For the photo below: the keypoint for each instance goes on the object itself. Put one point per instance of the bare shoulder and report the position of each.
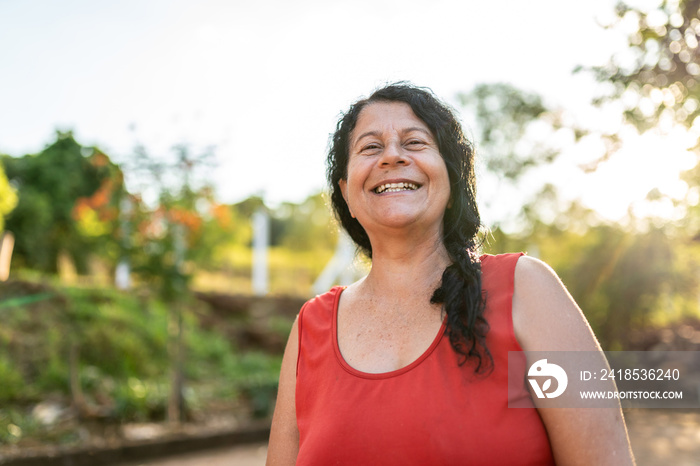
(533, 273)
(545, 316)
(284, 434)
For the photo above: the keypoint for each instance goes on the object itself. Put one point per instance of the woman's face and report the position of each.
(397, 178)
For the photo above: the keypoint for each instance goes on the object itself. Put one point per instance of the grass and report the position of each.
(118, 344)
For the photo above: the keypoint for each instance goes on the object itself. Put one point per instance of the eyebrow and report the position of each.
(403, 131)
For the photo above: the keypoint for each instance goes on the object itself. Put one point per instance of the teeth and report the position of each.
(395, 187)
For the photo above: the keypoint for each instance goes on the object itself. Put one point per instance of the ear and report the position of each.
(343, 184)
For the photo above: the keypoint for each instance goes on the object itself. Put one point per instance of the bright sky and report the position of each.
(264, 81)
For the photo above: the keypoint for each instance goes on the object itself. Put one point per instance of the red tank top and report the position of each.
(431, 412)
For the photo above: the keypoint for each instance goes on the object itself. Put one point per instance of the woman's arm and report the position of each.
(284, 435)
(546, 318)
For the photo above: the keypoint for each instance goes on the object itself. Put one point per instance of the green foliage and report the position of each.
(302, 239)
(659, 73)
(224, 227)
(623, 280)
(67, 204)
(623, 277)
(15, 424)
(691, 222)
(518, 138)
(308, 226)
(112, 332)
(73, 203)
(141, 400)
(506, 117)
(168, 234)
(121, 342)
(255, 376)
(12, 380)
(657, 79)
(48, 370)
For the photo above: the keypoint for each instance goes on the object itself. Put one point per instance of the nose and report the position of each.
(392, 154)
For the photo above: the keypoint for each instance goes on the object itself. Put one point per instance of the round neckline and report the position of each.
(378, 375)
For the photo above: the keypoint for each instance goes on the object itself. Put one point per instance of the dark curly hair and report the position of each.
(460, 290)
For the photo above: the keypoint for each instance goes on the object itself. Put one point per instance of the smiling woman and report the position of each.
(410, 364)
(396, 178)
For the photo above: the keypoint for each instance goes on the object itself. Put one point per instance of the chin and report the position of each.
(406, 220)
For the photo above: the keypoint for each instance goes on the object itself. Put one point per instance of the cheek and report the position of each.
(447, 191)
(343, 184)
(355, 177)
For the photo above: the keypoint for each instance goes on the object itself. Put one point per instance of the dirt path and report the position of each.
(664, 437)
(245, 455)
(658, 437)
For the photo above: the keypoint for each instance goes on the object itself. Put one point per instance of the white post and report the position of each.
(261, 234)
(346, 252)
(122, 275)
(340, 267)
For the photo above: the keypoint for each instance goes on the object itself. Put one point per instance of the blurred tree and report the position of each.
(658, 76)
(626, 280)
(167, 238)
(517, 135)
(623, 277)
(506, 118)
(68, 203)
(222, 225)
(8, 197)
(656, 82)
(248, 206)
(307, 226)
(168, 230)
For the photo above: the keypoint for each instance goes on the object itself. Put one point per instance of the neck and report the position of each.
(403, 266)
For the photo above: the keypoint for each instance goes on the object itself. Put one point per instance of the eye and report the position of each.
(370, 148)
(415, 144)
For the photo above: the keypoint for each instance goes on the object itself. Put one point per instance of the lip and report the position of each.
(395, 180)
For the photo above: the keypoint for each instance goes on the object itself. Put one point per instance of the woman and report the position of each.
(409, 364)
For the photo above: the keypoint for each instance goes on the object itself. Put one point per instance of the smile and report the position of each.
(395, 187)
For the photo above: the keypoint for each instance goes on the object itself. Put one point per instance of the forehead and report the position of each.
(383, 116)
